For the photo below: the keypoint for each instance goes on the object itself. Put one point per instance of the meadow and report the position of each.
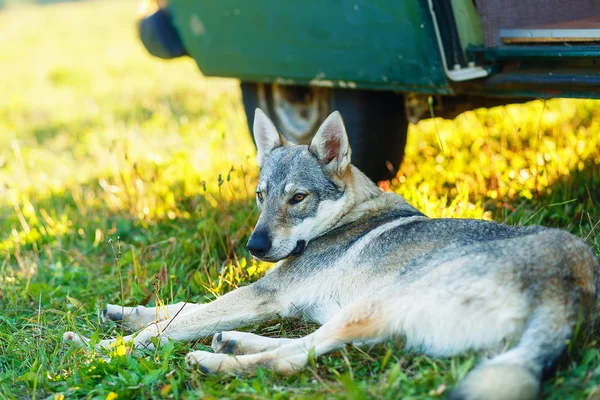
(101, 143)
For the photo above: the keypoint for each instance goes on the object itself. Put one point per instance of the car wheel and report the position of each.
(375, 120)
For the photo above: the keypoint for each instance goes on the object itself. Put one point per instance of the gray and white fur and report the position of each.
(368, 266)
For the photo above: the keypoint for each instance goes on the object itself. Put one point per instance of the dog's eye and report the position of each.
(260, 196)
(298, 197)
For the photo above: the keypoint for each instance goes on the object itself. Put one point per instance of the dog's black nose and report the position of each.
(259, 244)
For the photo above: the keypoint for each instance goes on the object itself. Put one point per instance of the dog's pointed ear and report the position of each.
(265, 135)
(330, 144)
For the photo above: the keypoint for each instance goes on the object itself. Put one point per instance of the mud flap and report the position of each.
(159, 36)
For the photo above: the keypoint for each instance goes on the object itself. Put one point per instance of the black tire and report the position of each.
(375, 121)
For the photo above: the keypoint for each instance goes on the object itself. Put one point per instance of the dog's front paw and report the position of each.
(225, 343)
(209, 363)
(131, 319)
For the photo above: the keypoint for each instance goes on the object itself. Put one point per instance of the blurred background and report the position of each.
(100, 140)
(80, 96)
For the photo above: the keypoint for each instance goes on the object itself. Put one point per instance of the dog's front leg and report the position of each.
(240, 307)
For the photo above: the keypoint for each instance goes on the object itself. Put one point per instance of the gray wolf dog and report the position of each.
(367, 266)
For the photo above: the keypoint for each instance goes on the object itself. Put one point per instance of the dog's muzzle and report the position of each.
(300, 246)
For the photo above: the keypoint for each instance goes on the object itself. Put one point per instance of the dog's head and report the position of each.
(301, 191)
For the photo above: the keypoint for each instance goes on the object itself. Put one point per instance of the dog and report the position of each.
(368, 266)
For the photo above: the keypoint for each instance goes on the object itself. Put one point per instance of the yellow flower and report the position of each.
(59, 396)
(112, 396)
(121, 350)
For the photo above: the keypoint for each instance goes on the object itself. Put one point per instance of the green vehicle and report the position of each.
(383, 63)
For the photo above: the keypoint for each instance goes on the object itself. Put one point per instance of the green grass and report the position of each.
(98, 140)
